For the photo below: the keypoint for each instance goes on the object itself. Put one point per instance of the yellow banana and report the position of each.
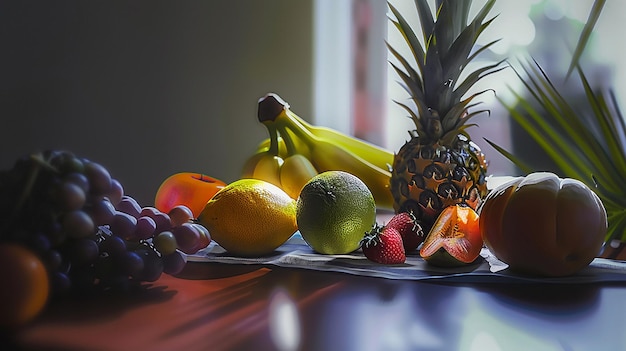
(271, 104)
(281, 160)
(295, 172)
(268, 168)
(310, 150)
(374, 154)
(297, 169)
(327, 155)
(247, 171)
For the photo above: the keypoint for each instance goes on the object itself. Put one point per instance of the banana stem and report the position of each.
(291, 147)
(270, 107)
(271, 128)
(286, 121)
(274, 110)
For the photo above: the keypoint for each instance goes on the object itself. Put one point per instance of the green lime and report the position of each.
(334, 211)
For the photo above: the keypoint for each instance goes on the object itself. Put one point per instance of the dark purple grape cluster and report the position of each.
(87, 231)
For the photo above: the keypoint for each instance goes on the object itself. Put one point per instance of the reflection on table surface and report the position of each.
(233, 307)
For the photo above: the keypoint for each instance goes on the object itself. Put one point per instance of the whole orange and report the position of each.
(25, 285)
(193, 190)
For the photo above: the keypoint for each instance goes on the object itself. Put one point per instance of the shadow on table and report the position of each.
(106, 304)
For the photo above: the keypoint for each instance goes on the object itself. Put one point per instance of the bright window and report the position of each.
(355, 89)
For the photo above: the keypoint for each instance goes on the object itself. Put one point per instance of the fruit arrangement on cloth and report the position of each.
(67, 226)
(440, 166)
(310, 150)
(76, 221)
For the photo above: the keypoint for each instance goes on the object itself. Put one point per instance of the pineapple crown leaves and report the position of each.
(435, 85)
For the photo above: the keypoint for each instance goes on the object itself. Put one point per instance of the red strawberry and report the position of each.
(410, 231)
(383, 245)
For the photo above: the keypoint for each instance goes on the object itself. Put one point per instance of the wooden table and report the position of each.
(232, 307)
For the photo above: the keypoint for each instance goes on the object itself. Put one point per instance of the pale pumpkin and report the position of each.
(541, 224)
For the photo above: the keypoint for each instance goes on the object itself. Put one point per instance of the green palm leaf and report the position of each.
(585, 147)
(594, 14)
(591, 148)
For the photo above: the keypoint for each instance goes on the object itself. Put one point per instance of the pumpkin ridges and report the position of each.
(540, 225)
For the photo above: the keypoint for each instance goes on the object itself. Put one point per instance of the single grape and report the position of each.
(163, 221)
(99, 178)
(174, 263)
(187, 237)
(205, 236)
(117, 192)
(129, 205)
(113, 245)
(123, 225)
(101, 211)
(130, 264)
(52, 259)
(70, 196)
(78, 224)
(149, 211)
(153, 264)
(145, 228)
(165, 242)
(79, 179)
(180, 214)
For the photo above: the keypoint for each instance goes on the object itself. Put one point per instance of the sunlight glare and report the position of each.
(284, 322)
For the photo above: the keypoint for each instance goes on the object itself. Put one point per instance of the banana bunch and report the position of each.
(296, 151)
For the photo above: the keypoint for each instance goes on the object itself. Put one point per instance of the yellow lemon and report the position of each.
(334, 211)
(250, 217)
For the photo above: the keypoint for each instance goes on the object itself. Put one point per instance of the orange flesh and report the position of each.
(457, 232)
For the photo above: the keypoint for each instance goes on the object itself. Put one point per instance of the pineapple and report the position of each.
(440, 166)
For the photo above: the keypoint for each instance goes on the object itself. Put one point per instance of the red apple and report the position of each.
(186, 188)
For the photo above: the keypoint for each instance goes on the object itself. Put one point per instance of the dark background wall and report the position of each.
(149, 88)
